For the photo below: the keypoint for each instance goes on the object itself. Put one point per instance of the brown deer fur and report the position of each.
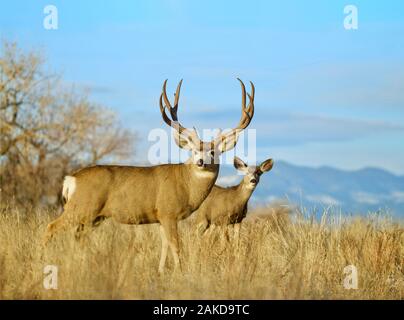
(226, 206)
(161, 194)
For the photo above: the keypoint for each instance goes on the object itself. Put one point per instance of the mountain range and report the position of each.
(349, 192)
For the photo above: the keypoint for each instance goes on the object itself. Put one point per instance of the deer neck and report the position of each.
(200, 182)
(244, 191)
(202, 177)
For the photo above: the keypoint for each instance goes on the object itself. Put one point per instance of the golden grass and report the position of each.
(272, 259)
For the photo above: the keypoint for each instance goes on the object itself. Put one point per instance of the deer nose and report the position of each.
(254, 181)
(199, 163)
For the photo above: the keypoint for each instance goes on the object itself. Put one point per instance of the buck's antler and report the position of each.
(247, 113)
(173, 122)
(173, 110)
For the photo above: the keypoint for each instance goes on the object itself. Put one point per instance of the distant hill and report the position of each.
(354, 192)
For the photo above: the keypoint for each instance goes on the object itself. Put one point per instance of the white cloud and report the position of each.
(365, 197)
(323, 198)
(397, 196)
(271, 198)
(369, 85)
(228, 180)
(372, 199)
(282, 128)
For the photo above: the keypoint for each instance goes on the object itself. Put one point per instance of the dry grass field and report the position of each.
(274, 258)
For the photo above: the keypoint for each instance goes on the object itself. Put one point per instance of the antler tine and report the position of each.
(242, 93)
(247, 113)
(166, 119)
(177, 97)
(164, 94)
(251, 97)
(173, 111)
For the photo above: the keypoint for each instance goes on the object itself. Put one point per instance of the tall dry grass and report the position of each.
(274, 258)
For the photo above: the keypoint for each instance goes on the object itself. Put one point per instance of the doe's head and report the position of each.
(252, 174)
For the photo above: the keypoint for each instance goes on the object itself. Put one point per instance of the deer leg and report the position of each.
(202, 227)
(60, 224)
(227, 231)
(71, 218)
(85, 227)
(98, 220)
(237, 227)
(171, 232)
(82, 231)
(164, 248)
(209, 230)
(237, 233)
(79, 231)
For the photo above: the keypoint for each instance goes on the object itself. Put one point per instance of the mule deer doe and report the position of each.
(161, 194)
(228, 206)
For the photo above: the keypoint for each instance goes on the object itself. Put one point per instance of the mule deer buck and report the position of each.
(161, 194)
(228, 206)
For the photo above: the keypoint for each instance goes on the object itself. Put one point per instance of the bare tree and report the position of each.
(46, 130)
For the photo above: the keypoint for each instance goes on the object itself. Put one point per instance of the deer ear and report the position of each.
(240, 164)
(266, 165)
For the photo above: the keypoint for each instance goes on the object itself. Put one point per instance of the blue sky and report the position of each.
(324, 95)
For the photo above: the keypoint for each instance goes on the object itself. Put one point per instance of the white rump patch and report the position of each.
(69, 186)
